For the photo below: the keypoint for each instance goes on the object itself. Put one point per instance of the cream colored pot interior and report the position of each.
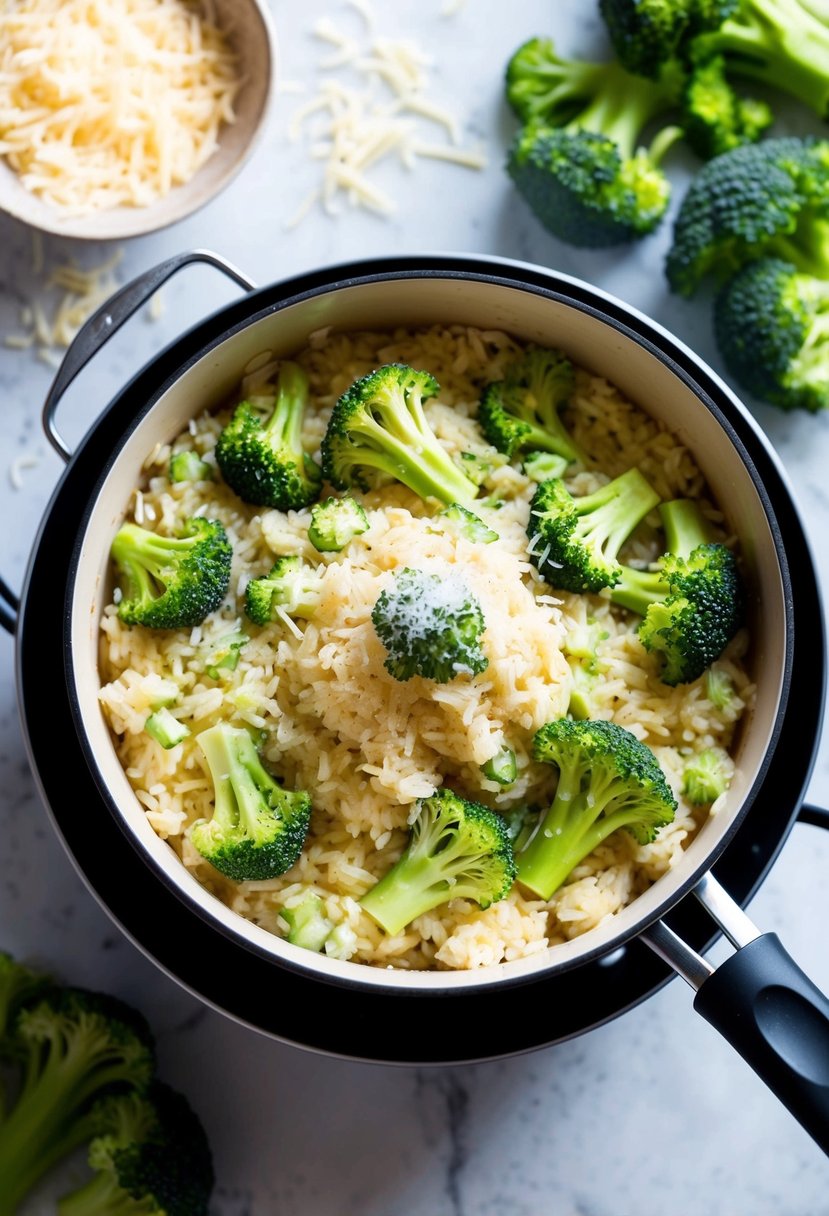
(590, 342)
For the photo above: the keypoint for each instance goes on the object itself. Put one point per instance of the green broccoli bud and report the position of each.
(308, 926)
(431, 626)
(543, 466)
(523, 410)
(335, 523)
(223, 654)
(457, 850)
(716, 118)
(468, 524)
(707, 775)
(291, 588)
(719, 688)
(189, 466)
(165, 729)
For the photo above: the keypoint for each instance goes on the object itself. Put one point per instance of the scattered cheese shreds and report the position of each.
(107, 103)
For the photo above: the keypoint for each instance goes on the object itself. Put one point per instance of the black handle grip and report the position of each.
(9, 606)
(775, 1017)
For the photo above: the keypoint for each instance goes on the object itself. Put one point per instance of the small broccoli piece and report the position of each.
(692, 604)
(521, 823)
(151, 1158)
(189, 466)
(772, 328)
(223, 653)
(715, 117)
(719, 688)
(574, 542)
(522, 410)
(468, 524)
(19, 985)
(258, 828)
(292, 588)
(431, 626)
(335, 523)
(607, 780)
(457, 850)
(585, 667)
(260, 455)
(308, 926)
(171, 582)
(165, 729)
(475, 468)
(646, 33)
(378, 427)
(579, 162)
(73, 1047)
(706, 776)
(764, 200)
(502, 767)
(542, 466)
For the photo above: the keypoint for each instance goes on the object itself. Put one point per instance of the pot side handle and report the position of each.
(109, 318)
(9, 605)
(762, 1004)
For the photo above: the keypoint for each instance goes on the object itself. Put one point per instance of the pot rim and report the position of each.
(187, 350)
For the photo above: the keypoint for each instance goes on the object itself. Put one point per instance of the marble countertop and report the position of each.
(651, 1115)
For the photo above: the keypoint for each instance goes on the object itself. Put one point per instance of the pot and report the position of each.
(758, 999)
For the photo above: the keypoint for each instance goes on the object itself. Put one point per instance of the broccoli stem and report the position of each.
(623, 105)
(413, 886)
(284, 427)
(685, 529)
(101, 1196)
(809, 366)
(404, 452)
(238, 777)
(807, 248)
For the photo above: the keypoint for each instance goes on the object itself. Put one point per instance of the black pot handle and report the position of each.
(9, 605)
(109, 318)
(761, 1003)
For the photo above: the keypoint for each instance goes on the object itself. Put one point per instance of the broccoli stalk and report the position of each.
(378, 427)
(308, 926)
(772, 328)
(579, 162)
(150, 1156)
(607, 780)
(692, 604)
(74, 1047)
(457, 850)
(335, 523)
(468, 525)
(290, 589)
(431, 626)
(172, 582)
(574, 542)
(261, 457)
(258, 829)
(165, 729)
(502, 767)
(521, 411)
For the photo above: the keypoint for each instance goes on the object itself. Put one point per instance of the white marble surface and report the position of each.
(649, 1116)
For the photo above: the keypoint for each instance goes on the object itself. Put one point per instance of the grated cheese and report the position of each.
(107, 103)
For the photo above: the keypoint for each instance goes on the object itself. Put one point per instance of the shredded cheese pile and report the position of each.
(350, 129)
(106, 103)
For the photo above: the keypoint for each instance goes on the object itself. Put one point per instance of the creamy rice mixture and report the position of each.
(332, 721)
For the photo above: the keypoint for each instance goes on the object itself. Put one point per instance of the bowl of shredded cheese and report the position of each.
(119, 117)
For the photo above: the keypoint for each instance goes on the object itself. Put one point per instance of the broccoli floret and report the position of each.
(73, 1048)
(772, 328)
(457, 850)
(151, 1158)
(165, 729)
(692, 605)
(260, 455)
(778, 42)
(335, 523)
(502, 767)
(172, 582)
(308, 926)
(469, 525)
(19, 985)
(646, 33)
(579, 162)
(292, 588)
(706, 776)
(715, 117)
(607, 780)
(431, 626)
(574, 542)
(522, 411)
(768, 199)
(258, 828)
(541, 466)
(719, 688)
(189, 466)
(378, 427)
(585, 667)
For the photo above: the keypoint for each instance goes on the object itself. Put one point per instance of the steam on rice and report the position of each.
(366, 746)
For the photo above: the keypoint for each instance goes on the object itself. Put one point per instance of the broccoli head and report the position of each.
(260, 454)
(574, 542)
(292, 589)
(707, 775)
(378, 427)
(172, 582)
(431, 626)
(457, 850)
(692, 605)
(258, 828)
(74, 1047)
(151, 1158)
(19, 985)
(772, 327)
(715, 117)
(521, 412)
(607, 779)
(768, 199)
(579, 161)
(187, 465)
(335, 523)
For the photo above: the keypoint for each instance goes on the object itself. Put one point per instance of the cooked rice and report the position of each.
(367, 747)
